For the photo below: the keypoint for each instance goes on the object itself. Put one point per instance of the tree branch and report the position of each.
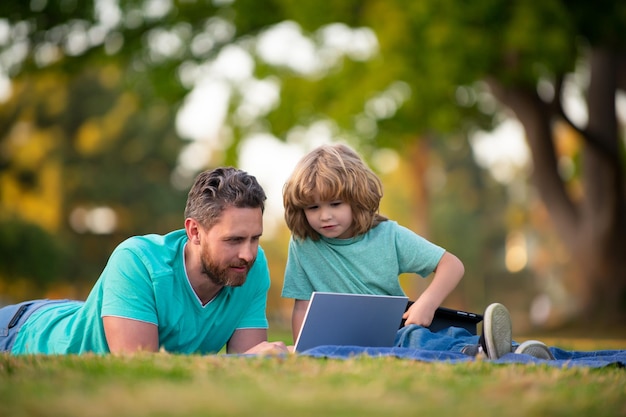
(621, 71)
(535, 115)
(556, 109)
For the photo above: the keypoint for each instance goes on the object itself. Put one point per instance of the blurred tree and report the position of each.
(455, 57)
(431, 69)
(20, 243)
(89, 149)
(457, 205)
(87, 164)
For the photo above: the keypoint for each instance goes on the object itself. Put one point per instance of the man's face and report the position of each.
(229, 248)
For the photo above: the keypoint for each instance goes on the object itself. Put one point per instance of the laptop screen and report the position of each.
(351, 320)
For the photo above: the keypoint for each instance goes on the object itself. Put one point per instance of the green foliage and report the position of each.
(29, 251)
(433, 46)
(102, 94)
(116, 150)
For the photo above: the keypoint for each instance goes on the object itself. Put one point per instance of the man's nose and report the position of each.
(248, 251)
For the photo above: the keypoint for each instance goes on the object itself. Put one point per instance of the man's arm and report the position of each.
(254, 341)
(128, 336)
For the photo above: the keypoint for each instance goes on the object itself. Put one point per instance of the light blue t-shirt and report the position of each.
(145, 280)
(366, 264)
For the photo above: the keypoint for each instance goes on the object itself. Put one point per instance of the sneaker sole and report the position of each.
(535, 349)
(497, 331)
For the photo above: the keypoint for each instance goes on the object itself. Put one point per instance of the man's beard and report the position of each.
(224, 276)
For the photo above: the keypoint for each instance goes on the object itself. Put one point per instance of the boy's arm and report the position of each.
(297, 317)
(448, 274)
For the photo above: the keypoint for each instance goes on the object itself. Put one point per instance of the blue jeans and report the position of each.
(13, 317)
(451, 339)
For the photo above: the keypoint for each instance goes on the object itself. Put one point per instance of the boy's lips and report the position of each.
(329, 231)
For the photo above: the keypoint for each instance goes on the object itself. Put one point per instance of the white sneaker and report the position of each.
(536, 349)
(497, 336)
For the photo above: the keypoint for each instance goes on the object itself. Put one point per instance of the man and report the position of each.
(193, 290)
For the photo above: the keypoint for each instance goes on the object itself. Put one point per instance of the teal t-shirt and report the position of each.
(366, 264)
(145, 280)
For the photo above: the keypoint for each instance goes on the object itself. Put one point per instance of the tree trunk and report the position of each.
(603, 206)
(592, 227)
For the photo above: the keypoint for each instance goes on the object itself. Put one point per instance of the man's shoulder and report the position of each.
(153, 244)
(152, 249)
(154, 240)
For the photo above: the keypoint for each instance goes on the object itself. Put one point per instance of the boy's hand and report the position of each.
(419, 314)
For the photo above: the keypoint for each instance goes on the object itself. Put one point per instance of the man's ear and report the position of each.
(192, 227)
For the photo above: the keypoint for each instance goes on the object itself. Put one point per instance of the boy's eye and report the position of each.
(311, 207)
(336, 203)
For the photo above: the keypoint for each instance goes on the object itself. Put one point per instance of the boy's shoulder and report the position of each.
(388, 226)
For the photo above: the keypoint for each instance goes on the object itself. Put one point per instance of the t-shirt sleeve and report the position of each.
(127, 289)
(415, 253)
(296, 283)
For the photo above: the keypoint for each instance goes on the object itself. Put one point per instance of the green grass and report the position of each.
(174, 385)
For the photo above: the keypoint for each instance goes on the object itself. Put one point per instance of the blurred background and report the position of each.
(497, 127)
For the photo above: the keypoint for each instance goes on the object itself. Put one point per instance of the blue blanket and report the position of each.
(564, 358)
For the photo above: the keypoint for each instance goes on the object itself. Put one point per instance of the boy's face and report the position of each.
(331, 219)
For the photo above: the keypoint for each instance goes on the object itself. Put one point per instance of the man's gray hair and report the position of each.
(215, 190)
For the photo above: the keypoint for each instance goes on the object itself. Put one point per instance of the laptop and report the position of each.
(350, 320)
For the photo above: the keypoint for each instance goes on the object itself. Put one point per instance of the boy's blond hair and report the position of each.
(332, 172)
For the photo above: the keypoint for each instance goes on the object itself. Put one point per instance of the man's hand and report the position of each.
(254, 341)
(269, 349)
